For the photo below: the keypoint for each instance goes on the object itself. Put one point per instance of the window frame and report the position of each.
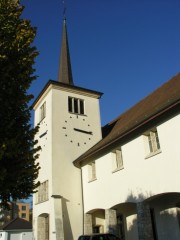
(76, 105)
(42, 194)
(23, 215)
(23, 208)
(152, 142)
(117, 160)
(42, 111)
(92, 171)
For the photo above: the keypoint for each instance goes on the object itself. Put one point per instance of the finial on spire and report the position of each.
(64, 10)
(65, 72)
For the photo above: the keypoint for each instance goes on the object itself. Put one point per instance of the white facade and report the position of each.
(126, 182)
(142, 173)
(152, 179)
(131, 189)
(63, 136)
(16, 235)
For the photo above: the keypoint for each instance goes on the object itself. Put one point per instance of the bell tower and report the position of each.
(69, 124)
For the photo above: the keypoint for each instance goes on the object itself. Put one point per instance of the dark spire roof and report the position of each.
(65, 72)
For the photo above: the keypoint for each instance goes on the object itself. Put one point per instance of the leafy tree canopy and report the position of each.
(18, 149)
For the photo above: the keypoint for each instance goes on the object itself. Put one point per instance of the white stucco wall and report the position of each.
(61, 145)
(45, 156)
(16, 235)
(67, 146)
(141, 178)
(3, 235)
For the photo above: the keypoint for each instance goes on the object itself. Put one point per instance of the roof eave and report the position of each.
(68, 86)
(111, 144)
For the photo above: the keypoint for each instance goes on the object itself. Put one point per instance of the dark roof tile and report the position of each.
(158, 101)
(18, 223)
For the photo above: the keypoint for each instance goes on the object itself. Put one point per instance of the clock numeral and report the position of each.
(43, 134)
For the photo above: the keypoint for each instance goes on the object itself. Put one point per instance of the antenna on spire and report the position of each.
(64, 9)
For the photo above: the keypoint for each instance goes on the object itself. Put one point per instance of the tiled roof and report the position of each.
(159, 101)
(18, 223)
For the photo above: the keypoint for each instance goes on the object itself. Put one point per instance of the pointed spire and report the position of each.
(65, 72)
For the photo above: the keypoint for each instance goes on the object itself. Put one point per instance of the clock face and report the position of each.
(77, 130)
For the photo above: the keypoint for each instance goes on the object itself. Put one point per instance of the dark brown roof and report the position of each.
(165, 97)
(65, 72)
(18, 223)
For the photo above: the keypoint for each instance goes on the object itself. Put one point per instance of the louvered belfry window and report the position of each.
(76, 105)
(43, 111)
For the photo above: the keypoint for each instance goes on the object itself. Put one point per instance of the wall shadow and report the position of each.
(164, 213)
(66, 221)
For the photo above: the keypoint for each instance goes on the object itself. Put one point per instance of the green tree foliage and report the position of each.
(18, 149)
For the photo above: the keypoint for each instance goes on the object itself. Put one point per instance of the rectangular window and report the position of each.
(92, 171)
(81, 105)
(152, 143)
(43, 111)
(117, 159)
(23, 215)
(42, 194)
(76, 105)
(70, 104)
(23, 208)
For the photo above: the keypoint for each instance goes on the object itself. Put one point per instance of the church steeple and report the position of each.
(65, 71)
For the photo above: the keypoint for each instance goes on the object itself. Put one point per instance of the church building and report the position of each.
(122, 178)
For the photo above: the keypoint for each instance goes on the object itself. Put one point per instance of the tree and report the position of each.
(18, 149)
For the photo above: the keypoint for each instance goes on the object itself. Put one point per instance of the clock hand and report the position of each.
(82, 131)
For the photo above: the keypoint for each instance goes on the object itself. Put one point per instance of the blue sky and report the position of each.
(123, 48)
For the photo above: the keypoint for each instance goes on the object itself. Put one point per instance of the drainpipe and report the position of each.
(82, 200)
